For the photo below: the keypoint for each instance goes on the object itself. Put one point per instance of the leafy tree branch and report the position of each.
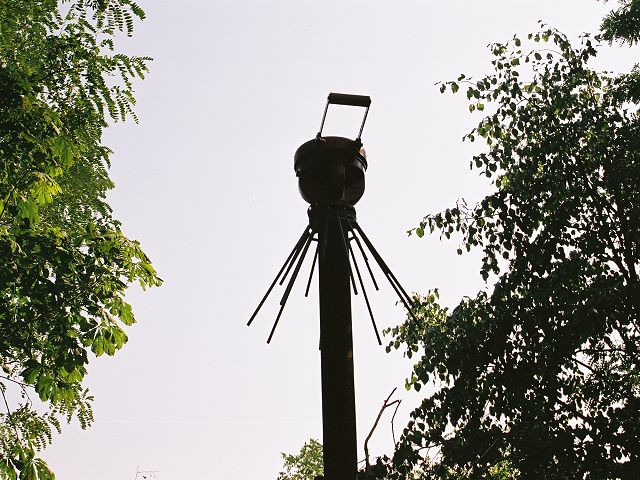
(66, 262)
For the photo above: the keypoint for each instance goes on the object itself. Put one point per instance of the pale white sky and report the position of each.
(206, 183)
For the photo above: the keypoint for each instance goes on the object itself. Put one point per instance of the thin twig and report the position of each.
(588, 367)
(393, 417)
(6, 403)
(15, 381)
(9, 412)
(385, 405)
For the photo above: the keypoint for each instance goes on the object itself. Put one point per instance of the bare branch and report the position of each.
(385, 405)
(393, 417)
(4, 397)
(14, 381)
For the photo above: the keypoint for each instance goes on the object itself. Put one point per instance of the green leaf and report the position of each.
(98, 346)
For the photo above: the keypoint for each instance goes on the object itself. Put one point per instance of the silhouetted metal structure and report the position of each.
(331, 178)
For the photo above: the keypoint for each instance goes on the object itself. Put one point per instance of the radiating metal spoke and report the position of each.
(273, 329)
(402, 294)
(286, 262)
(350, 231)
(385, 268)
(292, 280)
(299, 245)
(364, 255)
(346, 251)
(296, 271)
(364, 294)
(313, 266)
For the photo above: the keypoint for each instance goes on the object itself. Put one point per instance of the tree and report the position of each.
(306, 465)
(65, 261)
(622, 24)
(537, 375)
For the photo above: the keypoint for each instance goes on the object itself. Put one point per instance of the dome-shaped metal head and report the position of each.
(330, 171)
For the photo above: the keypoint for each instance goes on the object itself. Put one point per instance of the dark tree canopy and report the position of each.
(622, 24)
(537, 376)
(65, 263)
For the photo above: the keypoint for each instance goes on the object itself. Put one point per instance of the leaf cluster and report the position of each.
(305, 465)
(623, 23)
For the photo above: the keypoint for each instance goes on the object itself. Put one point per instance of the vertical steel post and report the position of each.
(331, 178)
(336, 345)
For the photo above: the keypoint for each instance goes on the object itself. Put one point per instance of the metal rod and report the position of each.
(402, 294)
(278, 276)
(313, 266)
(407, 305)
(287, 291)
(273, 329)
(324, 116)
(295, 272)
(364, 294)
(385, 268)
(366, 259)
(346, 251)
(298, 249)
(366, 112)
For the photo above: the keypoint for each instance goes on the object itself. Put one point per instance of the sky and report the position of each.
(205, 182)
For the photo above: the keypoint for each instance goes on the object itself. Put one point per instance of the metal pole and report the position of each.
(336, 346)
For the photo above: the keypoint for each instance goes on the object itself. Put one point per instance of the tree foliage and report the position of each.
(306, 465)
(622, 23)
(65, 261)
(537, 375)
